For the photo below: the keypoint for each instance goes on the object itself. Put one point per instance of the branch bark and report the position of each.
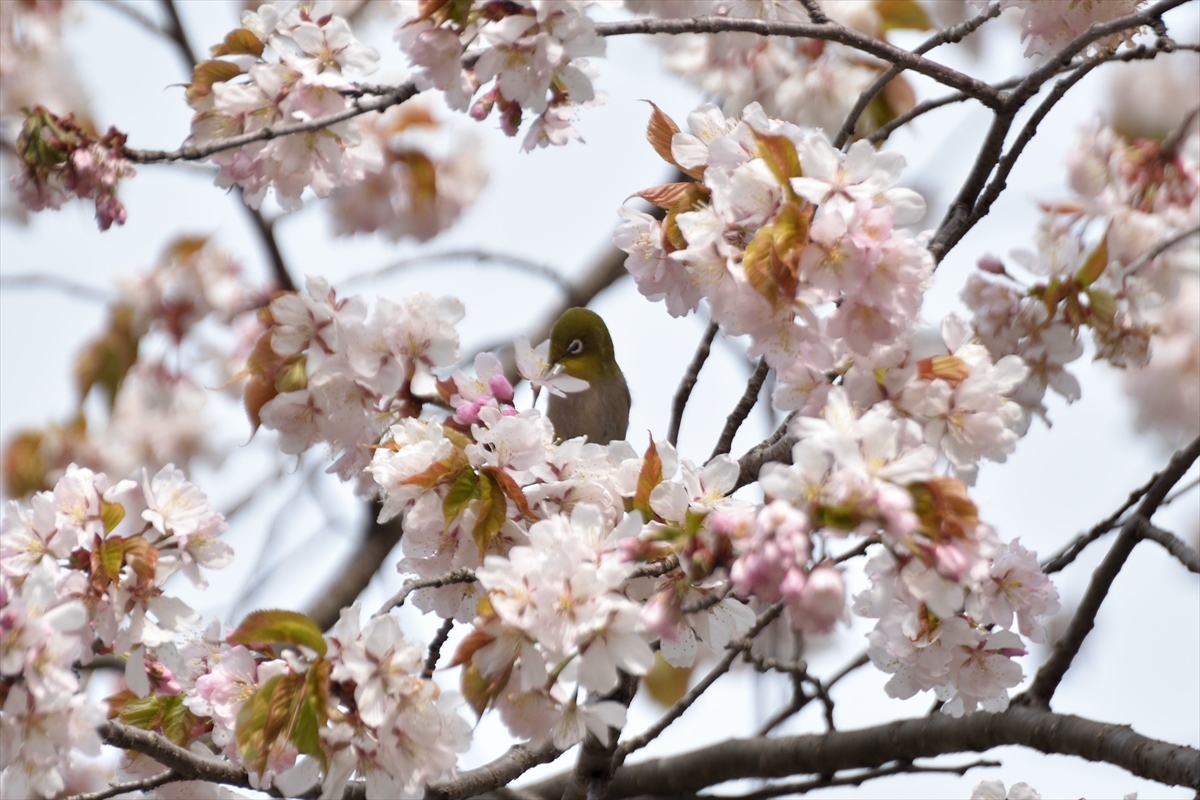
(906, 740)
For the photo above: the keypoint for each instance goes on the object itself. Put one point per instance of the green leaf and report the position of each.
(493, 508)
(289, 627)
(907, 14)
(513, 492)
(256, 730)
(178, 722)
(140, 712)
(1094, 265)
(463, 490)
(111, 514)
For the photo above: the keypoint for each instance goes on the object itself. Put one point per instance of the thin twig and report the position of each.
(435, 648)
(175, 31)
(708, 601)
(900, 768)
(813, 8)
(1161, 248)
(460, 575)
(741, 410)
(949, 35)
(684, 703)
(357, 107)
(1069, 553)
(140, 785)
(689, 382)
(1048, 678)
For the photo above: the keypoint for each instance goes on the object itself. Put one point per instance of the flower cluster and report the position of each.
(782, 226)
(1107, 259)
(241, 91)
(323, 372)
(940, 584)
(83, 570)
(532, 52)
(557, 604)
(61, 159)
(427, 178)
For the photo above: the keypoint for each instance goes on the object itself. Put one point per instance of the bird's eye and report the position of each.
(576, 347)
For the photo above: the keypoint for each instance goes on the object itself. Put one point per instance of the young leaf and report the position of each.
(289, 627)
(650, 476)
(493, 508)
(463, 490)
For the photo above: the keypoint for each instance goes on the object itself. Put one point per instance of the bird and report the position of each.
(580, 346)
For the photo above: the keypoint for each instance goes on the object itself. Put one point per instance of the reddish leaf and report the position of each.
(780, 155)
(651, 475)
(205, 74)
(239, 42)
(513, 492)
(666, 195)
(660, 130)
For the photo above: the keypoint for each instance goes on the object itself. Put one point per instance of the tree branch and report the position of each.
(905, 740)
(900, 768)
(518, 760)
(186, 765)
(776, 447)
(828, 31)
(742, 409)
(378, 541)
(1171, 543)
(140, 785)
(435, 648)
(684, 703)
(460, 575)
(954, 33)
(689, 382)
(1066, 648)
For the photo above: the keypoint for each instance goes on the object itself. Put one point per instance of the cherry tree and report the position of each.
(522, 616)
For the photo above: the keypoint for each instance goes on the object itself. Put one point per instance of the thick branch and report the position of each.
(906, 740)
(518, 760)
(188, 766)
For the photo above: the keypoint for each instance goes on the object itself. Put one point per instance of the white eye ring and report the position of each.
(576, 347)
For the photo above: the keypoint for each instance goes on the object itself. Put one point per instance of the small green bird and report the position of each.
(580, 346)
